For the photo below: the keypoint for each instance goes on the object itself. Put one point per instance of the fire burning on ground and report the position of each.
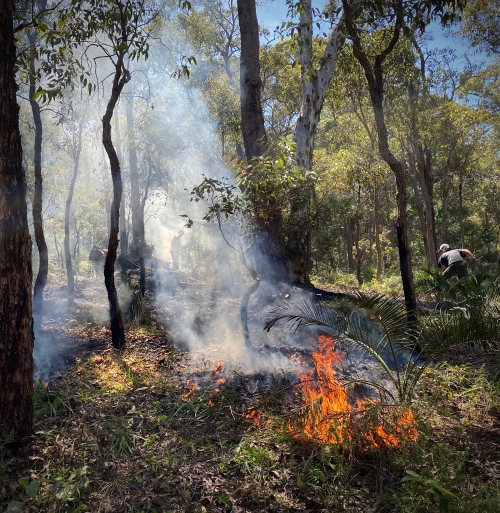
(328, 416)
(331, 411)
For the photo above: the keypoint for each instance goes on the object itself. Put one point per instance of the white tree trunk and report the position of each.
(315, 84)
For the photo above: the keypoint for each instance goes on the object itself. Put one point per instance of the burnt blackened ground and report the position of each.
(198, 319)
(158, 428)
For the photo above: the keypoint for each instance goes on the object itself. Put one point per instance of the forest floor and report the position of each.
(155, 428)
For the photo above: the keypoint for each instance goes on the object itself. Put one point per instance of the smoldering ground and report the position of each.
(197, 294)
(199, 299)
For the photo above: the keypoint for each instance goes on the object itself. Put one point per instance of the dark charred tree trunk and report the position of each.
(43, 267)
(121, 77)
(299, 244)
(124, 262)
(375, 79)
(77, 149)
(376, 229)
(252, 117)
(16, 321)
(359, 251)
(271, 261)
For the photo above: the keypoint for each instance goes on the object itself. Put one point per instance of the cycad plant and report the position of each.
(468, 315)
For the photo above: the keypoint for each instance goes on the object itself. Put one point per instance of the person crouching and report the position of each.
(452, 261)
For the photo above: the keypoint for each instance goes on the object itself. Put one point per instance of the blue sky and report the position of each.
(272, 13)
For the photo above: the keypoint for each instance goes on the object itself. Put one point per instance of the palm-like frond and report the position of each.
(304, 313)
(460, 327)
(470, 314)
(390, 313)
(391, 317)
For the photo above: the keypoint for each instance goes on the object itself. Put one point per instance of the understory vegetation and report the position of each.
(219, 257)
(150, 429)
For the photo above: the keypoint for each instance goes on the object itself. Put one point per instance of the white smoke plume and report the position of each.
(201, 300)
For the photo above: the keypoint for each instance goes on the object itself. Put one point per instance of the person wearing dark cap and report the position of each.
(452, 261)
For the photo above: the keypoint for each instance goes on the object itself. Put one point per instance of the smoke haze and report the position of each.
(198, 297)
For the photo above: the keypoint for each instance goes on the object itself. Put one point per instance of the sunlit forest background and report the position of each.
(185, 126)
(235, 228)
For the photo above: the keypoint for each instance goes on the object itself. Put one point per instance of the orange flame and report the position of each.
(190, 386)
(218, 369)
(253, 415)
(330, 418)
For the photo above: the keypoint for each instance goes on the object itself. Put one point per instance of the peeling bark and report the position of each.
(315, 83)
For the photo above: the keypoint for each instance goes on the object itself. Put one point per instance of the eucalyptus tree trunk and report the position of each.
(425, 176)
(271, 261)
(424, 203)
(138, 246)
(252, 117)
(418, 204)
(349, 243)
(271, 264)
(359, 251)
(121, 77)
(461, 207)
(123, 259)
(142, 207)
(16, 321)
(315, 84)
(445, 200)
(376, 199)
(136, 249)
(123, 218)
(77, 149)
(426, 181)
(359, 254)
(43, 267)
(375, 79)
